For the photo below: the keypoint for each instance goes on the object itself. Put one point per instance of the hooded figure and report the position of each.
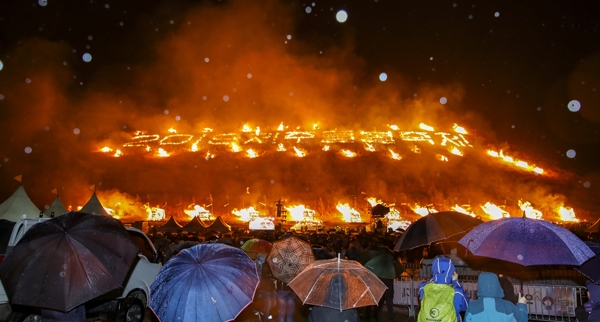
(490, 306)
(444, 273)
(593, 305)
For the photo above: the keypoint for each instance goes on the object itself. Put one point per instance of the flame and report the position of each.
(441, 157)
(235, 147)
(395, 156)
(516, 162)
(349, 214)
(373, 201)
(299, 152)
(567, 214)
(246, 128)
(326, 148)
(315, 126)
(495, 212)
(529, 211)
(369, 147)
(393, 127)
(172, 130)
(257, 131)
(301, 213)
(348, 153)
(280, 147)
(466, 209)
(198, 211)
(416, 149)
(162, 153)
(194, 147)
(426, 127)
(251, 154)
(280, 127)
(423, 211)
(155, 213)
(459, 129)
(456, 151)
(246, 214)
(105, 149)
(209, 156)
(118, 153)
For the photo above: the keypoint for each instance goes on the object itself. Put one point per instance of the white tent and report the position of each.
(18, 205)
(56, 207)
(94, 207)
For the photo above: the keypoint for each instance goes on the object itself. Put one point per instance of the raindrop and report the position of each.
(90, 37)
(520, 257)
(64, 63)
(272, 181)
(206, 59)
(62, 274)
(383, 77)
(166, 112)
(43, 3)
(27, 80)
(121, 23)
(171, 22)
(497, 14)
(46, 128)
(1, 97)
(512, 126)
(226, 98)
(5, 159)
(249, 75)
(177, 118)
(87, 57)
(430, 58)
(204, 98)
(454, 5)
(574, 106)
(308, 9)
(443, 100)
(539, 108)
(28, 150)
(291, 93)
(107, 6)
(470, 16)
(76, 130)
(571, 153)
(1, 65)
(289, 37)
(587, 184)
(341, 16)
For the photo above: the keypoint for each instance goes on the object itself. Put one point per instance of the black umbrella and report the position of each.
(435, 227)
(63, 262)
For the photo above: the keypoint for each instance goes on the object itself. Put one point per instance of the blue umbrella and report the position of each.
(591, 268)
(207, 282)
(527, 242)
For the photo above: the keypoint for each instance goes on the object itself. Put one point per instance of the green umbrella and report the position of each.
(384, 266)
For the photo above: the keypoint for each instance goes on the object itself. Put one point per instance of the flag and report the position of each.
(54, 191)
(19, 177)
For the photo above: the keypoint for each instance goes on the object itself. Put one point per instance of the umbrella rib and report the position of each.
(313, 285)
(361, 296)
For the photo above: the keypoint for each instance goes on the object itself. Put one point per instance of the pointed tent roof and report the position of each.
(195, 225)
(17, 205)
(219, 225)
(94, 207)
(170, 226)
(56, 207)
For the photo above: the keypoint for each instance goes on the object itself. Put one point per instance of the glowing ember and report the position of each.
(172, 130)
(456, 151)
(518, 163)
(246, 128)
(441, 157)
(348, 153)
(423, 211)
(529, 211)
(416, 149)
(280, 127)
(162, 153)
(465, 209)
(198, 211)
(281, 148)
(251, 153)
(106, 149)
(459, 129)
(369, 147)
(246, 214)
(194, 147)
(394, 127)
(326, 148)
(495, 212)
(299, 152)
(394, 155)
(235, 147)
(155, 213)
(349, 214)
(567, 214)
(426, 127)
(118, 153)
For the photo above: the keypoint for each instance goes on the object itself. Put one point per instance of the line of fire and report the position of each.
(253, 142)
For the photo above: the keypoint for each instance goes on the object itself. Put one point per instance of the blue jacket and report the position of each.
(490, 306)
(443, 269)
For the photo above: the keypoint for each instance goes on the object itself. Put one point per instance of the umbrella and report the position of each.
(207, 282)
(435, 227)
(381, 261)
(63, 262)
(591, 268)
(527, 242)
(289, 257)
(338, 284)
(257, 246)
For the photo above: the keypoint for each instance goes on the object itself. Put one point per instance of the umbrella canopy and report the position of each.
(208, 282)
(527, 242)
(289, 257)
(338, 284)
(435, 227)
(63, 262)
(591, 268)
(256, 246)
(381, 261)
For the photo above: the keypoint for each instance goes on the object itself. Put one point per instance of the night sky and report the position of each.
(511, 72)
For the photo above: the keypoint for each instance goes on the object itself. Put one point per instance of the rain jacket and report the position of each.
(593, 306)
(443, 269)
(490, 306)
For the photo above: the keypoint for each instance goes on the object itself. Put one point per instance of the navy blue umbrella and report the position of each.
(207, 282)
(591, 268)
(527, 242)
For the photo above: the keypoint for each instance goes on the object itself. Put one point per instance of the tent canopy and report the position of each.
(18, 205)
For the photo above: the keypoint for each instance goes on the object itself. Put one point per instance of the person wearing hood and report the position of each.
(443, 274)
(490, 306)
(593, 305)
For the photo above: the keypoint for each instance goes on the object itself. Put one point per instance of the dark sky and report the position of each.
(509, 70)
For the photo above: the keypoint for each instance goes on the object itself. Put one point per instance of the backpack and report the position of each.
(437, 304)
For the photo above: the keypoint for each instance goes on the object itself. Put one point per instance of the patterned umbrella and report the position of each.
(338, 284)
(289, 257)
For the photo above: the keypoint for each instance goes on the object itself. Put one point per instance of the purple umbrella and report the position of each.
(527, 242)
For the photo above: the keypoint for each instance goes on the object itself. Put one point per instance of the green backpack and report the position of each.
(437, 304)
